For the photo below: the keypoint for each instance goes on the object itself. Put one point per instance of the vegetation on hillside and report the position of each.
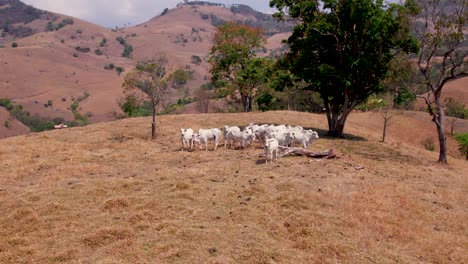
(463, 144)
(128, 49)
(35, 122)
(54, 27)
(15, 12)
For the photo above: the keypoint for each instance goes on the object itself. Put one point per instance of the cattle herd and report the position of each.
(271, 137)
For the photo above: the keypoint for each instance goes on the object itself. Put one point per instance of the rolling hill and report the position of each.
(105, 193)
(67, 61)
(68, 65)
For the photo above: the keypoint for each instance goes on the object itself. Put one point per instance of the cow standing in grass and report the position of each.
(186, 138)
(204, 135)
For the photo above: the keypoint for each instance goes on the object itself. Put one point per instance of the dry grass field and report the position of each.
(107, 194)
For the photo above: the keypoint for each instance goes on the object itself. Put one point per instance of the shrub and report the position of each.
(455, 108)
(68, 21)
(216, 21)
(82, 49)
(14, 45)
(128, 49)
(120, 40)
(109, 66)
(119, 70)
(134, 35)
(205, 16)
(6, 124)
(428, 144)
(184, 101)
(165, 11)
(196, 59)
(50, 102)
(64, 99)
(75, 55)
(103, 42)
(7, 103)
(79, 31)
(50, 26)
(98, 52)
(74, 106)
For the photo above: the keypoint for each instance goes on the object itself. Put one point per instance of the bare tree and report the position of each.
(149, 78)
(440, 26)
(203, 101)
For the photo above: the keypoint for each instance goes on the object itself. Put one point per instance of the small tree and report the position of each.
(463, 144)
(149, 77)
(455, 110)
(440, 27)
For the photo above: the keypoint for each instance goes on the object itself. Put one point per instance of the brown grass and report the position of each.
(107, 194)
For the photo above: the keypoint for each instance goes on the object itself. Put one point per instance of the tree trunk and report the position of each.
(384, 129)
(153, 124)
(336, 118)
(250, 101)
(439, 120)
(336, 124)
(244, 102)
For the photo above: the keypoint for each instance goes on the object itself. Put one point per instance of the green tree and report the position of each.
(463, 144)
(180, 77)
(149, 77)
(233, 64)
(342, 49)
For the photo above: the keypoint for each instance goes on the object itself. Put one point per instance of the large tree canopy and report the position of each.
(342, 49)
(234, 65)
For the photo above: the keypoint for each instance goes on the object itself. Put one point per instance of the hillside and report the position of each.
(18, 20)
(68, 61)
(9, 126)
(106, 194)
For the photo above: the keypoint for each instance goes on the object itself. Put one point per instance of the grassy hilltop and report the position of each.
(107, 194)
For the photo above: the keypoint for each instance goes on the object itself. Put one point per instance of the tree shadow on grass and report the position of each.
(323, 133)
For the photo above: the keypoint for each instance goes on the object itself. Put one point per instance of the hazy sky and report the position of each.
(111, 13)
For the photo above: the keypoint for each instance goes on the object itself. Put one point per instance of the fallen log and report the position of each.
(327, 154)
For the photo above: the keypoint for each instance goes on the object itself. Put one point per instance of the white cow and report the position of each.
(245, 138)
(226, 130)
(282, 136)
(204, 135)
(271, 147)
(186, 138)
(305, 137)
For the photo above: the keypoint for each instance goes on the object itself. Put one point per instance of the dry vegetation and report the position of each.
(107, 194)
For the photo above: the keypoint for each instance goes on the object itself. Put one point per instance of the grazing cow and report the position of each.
(245, 138)
(204, 135)
(226, 130)
(186, 137)
(305, 138)
(271, 146)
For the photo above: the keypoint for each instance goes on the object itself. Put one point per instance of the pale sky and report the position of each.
(111, 13)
